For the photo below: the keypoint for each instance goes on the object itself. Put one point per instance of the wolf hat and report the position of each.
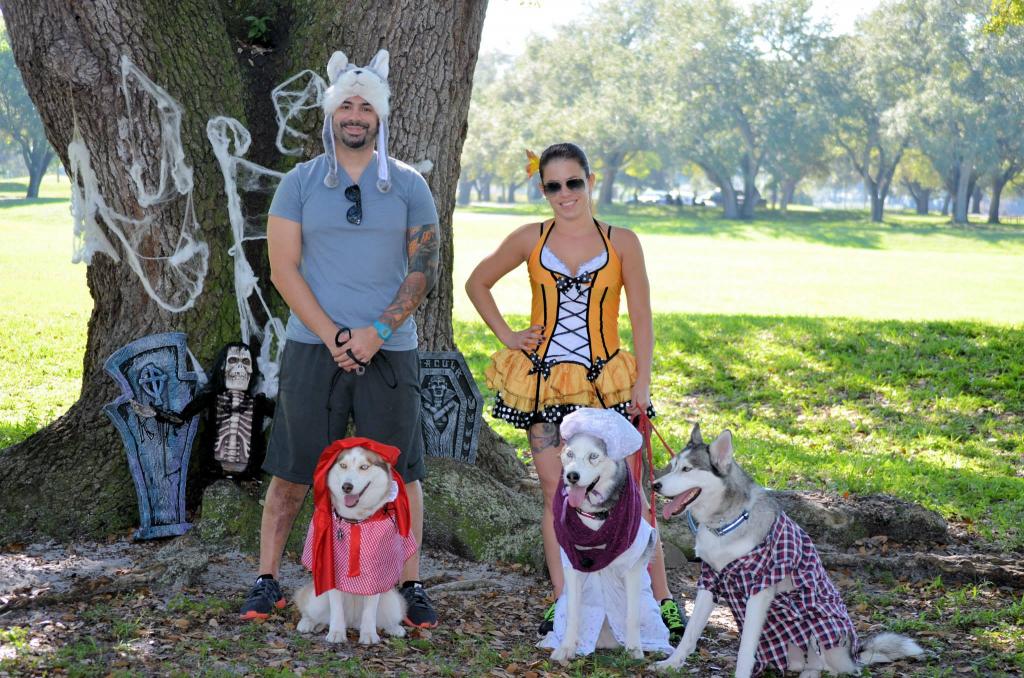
(371, 83)
(619, 436)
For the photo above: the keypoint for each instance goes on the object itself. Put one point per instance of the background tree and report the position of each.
(917, 177)
(20, 125)
(70, 477)
(1006, 13)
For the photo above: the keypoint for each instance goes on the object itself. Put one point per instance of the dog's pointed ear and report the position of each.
(695, 438)
(721, 451)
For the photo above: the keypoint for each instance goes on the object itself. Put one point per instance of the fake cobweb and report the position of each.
(174, 279)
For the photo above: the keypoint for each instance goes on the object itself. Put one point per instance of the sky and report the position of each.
(508, 21)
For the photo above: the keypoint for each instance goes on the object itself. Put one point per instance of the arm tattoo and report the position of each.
(544, 435)
(423, 250)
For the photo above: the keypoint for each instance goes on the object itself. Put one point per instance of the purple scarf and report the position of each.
(613, 538)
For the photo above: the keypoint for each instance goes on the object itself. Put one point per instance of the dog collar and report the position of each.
(600, 515)
(718, 531)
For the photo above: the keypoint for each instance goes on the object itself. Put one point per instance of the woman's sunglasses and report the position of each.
(355, 213)
(553, 187)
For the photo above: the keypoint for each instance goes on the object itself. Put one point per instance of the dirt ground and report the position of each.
(123, 608)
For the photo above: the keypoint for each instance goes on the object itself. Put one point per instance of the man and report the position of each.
(353, 244)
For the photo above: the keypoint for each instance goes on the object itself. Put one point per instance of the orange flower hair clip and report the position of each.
(532, 164)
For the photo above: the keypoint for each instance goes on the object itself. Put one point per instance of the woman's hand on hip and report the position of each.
(529, 339)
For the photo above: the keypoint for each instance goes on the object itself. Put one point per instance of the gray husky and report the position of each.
(766, 568)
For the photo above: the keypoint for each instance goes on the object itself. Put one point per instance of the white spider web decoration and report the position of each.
(173, 280)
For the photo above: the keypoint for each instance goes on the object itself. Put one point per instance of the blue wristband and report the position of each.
(383, 330)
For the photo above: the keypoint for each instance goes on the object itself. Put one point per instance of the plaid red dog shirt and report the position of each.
(814, 609)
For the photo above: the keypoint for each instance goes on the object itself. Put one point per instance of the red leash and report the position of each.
(644, 424)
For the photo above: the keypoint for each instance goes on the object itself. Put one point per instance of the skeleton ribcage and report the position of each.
(234, 415)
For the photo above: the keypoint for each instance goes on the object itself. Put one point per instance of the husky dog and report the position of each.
(606, 545)
(765, 566)
(360, 484)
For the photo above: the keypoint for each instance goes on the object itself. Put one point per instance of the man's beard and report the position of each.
(366, 140)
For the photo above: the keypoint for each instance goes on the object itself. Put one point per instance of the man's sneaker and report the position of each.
(674, 619)
(264, 596)
(547, 622)
(420, 611)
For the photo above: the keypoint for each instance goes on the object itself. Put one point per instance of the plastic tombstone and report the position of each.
(153, 375)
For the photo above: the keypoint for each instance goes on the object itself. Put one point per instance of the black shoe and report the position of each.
(674, 619)
(420, 612)
(547, 623)
(264, 597)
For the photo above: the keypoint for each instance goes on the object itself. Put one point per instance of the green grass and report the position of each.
(845, 355)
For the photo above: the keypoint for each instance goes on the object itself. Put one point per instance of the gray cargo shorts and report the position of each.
(315, 401)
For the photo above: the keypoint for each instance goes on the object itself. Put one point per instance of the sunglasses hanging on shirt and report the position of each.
(553, 187)
(355, 213)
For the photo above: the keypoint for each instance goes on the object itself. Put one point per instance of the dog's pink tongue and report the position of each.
(577, 493)
(351, 500)
(674, 505)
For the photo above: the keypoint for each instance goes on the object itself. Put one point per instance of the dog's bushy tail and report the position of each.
(888, 647)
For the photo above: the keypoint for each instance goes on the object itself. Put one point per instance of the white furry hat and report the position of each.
(619, 436)
(371, 83)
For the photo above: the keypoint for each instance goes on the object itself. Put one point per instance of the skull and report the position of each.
(238, 369)
(437, 386)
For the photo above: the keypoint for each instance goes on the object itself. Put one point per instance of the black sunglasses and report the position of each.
(553, 187)
(355, 213)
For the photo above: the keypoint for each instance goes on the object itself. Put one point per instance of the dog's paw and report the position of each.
(563, 653)
(305, 625)
(369, 637)
(396, 631)
(336, 636)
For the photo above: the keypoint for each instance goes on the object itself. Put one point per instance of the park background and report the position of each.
(859, 324)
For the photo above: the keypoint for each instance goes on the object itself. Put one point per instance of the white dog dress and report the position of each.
(604, 596)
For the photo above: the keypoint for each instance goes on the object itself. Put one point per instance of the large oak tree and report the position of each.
(71, 477)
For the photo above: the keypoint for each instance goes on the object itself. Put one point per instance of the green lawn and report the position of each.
(845, 355)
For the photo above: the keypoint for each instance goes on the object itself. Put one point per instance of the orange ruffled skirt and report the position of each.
(524, 398)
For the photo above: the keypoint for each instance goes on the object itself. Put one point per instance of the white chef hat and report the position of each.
(619, 436)
(371, 83)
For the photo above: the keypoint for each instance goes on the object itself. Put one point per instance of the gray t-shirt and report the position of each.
(354, 270)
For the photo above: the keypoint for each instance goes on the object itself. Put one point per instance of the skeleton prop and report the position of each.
(234, 411)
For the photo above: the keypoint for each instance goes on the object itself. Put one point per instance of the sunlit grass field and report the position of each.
(845, 355)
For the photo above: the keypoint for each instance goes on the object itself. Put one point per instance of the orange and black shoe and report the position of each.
(264, 597)
(420, 612)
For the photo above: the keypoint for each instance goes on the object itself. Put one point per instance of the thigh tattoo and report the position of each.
(543, 436)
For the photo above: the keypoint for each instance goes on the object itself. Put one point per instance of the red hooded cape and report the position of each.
(323, 554)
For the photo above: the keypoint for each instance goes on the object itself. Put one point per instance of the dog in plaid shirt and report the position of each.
(766, 569)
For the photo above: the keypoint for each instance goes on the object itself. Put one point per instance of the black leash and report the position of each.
(360, 370)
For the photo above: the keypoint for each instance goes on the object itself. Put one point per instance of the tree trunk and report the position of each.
(465, 191)
(510, 195)
(729, 202)
(750, 192)
(876, 198)
(945, 204)
(71, 477)
(788, 190)
(612, 163)
(963, 193)
(997, 193)
(976, 196)
(483, 189)
(37, 166)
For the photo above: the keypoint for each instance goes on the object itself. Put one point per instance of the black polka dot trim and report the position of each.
(553, 414)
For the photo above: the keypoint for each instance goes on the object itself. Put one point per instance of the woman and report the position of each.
(570, 357)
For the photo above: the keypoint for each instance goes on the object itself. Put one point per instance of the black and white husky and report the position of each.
(359, 484)
(612, 606)
(765, 566)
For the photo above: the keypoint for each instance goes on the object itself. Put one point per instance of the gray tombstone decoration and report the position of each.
(153, 376)
(451, 406)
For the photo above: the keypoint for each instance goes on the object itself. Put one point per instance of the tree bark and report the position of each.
(750, 192)
(465, 191)
(945, 204)
(960, 202)
(976, 196)
(612, 163)
(788, 191)
(38, 162)
(71, 477)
